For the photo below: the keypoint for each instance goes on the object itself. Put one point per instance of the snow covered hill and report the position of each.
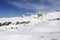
(26, 22)
(35, 26)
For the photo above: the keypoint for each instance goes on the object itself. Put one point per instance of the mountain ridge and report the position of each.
(24, 23)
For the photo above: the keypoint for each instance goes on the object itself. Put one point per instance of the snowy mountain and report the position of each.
(39, 20)
(40, 26)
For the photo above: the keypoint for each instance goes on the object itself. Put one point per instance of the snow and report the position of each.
(15, 37)
(39, 28)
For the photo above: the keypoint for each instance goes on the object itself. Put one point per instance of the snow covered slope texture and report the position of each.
(39, 22)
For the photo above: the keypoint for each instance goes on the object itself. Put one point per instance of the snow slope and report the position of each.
(40, 26)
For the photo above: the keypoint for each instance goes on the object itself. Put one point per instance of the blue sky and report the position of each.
(12, 8)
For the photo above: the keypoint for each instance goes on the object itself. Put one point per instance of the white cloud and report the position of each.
(30, 6)
(55, 4)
